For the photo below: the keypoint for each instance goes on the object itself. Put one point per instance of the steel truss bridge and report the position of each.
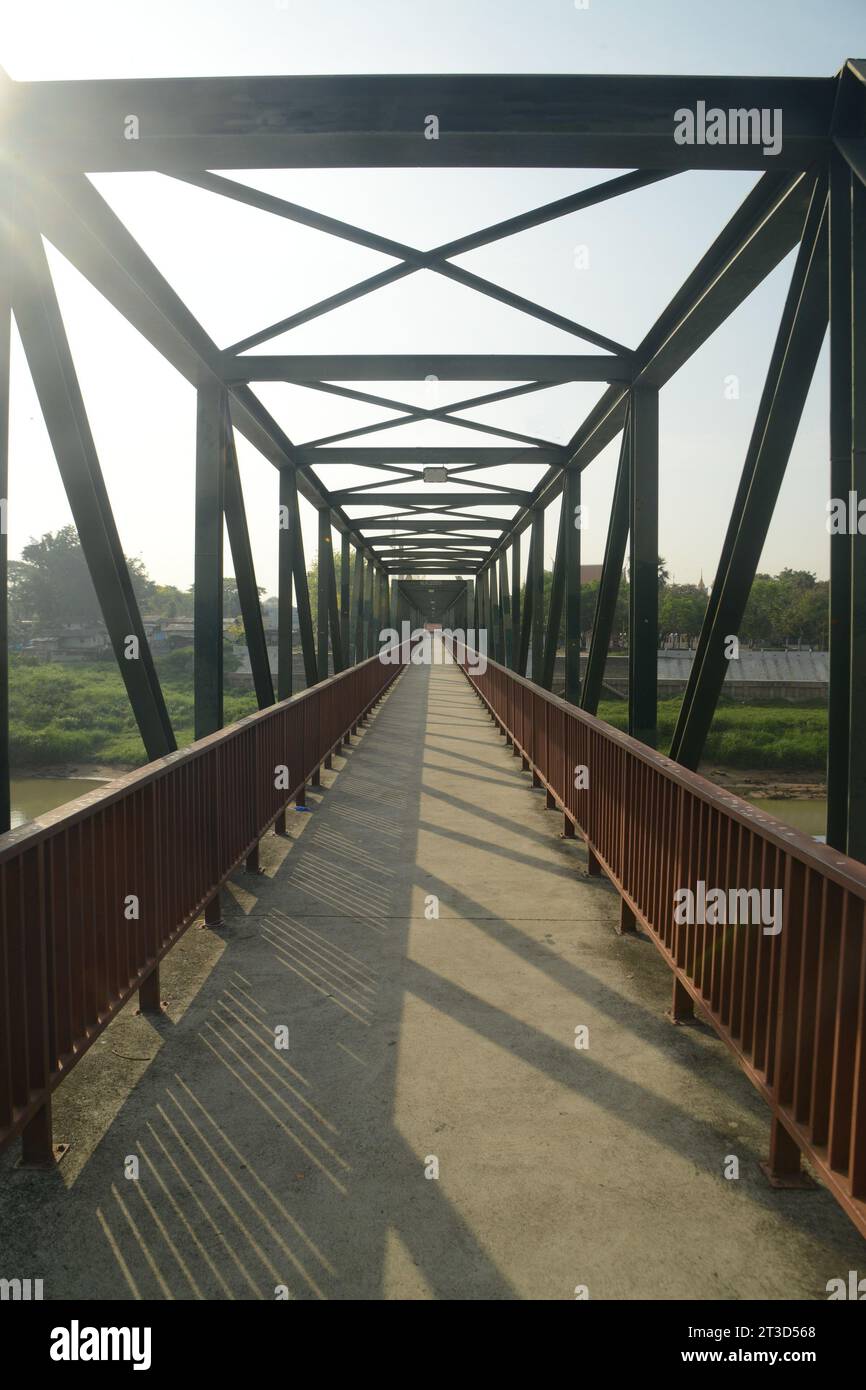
(428, 542)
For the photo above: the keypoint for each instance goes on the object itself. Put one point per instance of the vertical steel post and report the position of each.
(353, 652)
(345, 581)
(324, 571)
(840, 484)
(285, 564)
(507, 656)
(571, 563)
(360, 616)
(643, 566)
(245, 573)
(856, 841)
(333, 610)
(373, 610)
(535, 582)
(554, 612)
(611, 578)
(495, 616)
(515, 605)
(210, 472)
(208, 601)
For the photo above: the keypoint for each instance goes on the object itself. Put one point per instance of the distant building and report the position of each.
(73, 642)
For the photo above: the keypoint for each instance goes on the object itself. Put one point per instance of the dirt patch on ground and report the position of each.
(98, 772)
(769, 782)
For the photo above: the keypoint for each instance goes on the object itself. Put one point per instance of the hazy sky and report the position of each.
(239, 269)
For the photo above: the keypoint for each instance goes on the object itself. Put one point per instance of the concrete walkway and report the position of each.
(418, 1044)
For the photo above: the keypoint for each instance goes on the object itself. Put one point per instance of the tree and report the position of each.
(681, 609)
(52, 586)
(167, 601)
(313, 579)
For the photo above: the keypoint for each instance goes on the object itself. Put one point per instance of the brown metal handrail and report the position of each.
(790, 1006)
(158, 842)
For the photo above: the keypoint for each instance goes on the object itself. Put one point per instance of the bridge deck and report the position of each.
(413, 1038)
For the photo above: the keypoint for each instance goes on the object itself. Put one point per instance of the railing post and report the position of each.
(682, 1009)
(782, 1167)
(38, 1149)
(627, 921)
(149, 1001)
(213, 916)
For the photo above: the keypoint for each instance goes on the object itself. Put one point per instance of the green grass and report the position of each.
(791, 738)
(62, 714)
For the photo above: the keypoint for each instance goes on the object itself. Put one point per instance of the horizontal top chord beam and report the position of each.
(432, 499)
(367, 457)
(552, 368)
(485, 120)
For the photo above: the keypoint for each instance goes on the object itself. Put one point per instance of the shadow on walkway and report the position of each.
(430, 945)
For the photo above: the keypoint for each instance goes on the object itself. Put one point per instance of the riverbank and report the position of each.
(79, 772)
(76, 722)
(764, 782)
(794, 785)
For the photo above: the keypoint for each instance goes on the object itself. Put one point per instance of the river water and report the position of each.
(31, 796)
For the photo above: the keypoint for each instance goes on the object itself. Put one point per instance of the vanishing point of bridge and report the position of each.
(423, 1043)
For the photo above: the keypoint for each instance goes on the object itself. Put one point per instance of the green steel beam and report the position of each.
(288, 533)
(505, 609)
(289, 489)
(856, 841)
(495, 615)
(324, 584)
(245, 573)
(515, 606)
(550, 368)
(447, 500)
(571, 563)
(611, 578)
(841, 411)
(643, 566)
(210, 472)
(345, 583)
(535, 579)
(85, 229)
(43, 335)
(764, 228)
(554, 612)
(490, 120)
(803, 326)
(333, 610)
(370, 609)
(360, 643)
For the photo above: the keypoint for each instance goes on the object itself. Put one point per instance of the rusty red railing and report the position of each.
(790, 1004)
(93, 895)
